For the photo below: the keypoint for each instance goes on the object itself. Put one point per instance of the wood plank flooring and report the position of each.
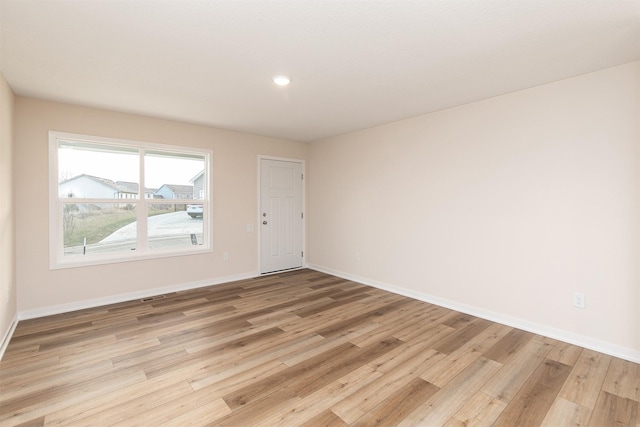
(303, 349)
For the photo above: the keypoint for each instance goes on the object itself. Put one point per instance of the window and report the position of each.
(116, 200)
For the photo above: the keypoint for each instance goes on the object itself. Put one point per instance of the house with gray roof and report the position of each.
(198, 185)
(89, 186)
(175, 191)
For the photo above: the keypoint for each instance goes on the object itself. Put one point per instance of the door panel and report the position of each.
(280, 215)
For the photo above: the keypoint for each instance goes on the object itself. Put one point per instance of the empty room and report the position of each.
(320, 213)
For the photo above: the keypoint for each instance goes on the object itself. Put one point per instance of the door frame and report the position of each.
(303, 203)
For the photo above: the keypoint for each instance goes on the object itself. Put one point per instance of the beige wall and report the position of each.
(234, 204)
(504, 206)
(7, 224)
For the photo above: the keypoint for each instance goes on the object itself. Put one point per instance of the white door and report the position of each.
(280, 215)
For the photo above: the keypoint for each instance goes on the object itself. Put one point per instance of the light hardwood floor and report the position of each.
(303, 349)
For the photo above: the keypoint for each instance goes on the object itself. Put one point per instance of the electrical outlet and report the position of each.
(225, 256)
(578, 300)
(357, 255)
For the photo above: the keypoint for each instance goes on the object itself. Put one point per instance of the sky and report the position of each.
(125, 167)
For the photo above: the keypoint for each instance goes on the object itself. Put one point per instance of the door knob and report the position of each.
(264, 222)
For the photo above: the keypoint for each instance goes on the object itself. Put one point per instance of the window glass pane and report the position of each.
(101, 200)
(175, 226)
(88, 170)
(174, 175)
(98, 228)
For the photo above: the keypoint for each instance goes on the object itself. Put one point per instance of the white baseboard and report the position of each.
(611, 349)
(97, 302)
(536, 328)
(7, 336)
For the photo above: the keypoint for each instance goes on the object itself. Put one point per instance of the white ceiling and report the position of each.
(354, 64)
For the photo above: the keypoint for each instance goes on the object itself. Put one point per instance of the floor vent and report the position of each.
(152, 298)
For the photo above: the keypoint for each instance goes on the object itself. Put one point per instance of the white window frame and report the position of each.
(57, 260)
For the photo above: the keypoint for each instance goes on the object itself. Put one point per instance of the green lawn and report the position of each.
(97, 224)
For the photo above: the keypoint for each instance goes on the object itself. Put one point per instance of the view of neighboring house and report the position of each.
(89, 186)
(101, 188)
(175, 191)
(198, 185)
(133, 188)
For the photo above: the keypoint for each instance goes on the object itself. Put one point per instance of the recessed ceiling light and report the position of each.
(281, 80)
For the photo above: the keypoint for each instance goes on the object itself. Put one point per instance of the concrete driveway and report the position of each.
(170, 224)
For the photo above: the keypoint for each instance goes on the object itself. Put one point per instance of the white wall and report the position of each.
(234, 170)
(7, 219)
(502, 207)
